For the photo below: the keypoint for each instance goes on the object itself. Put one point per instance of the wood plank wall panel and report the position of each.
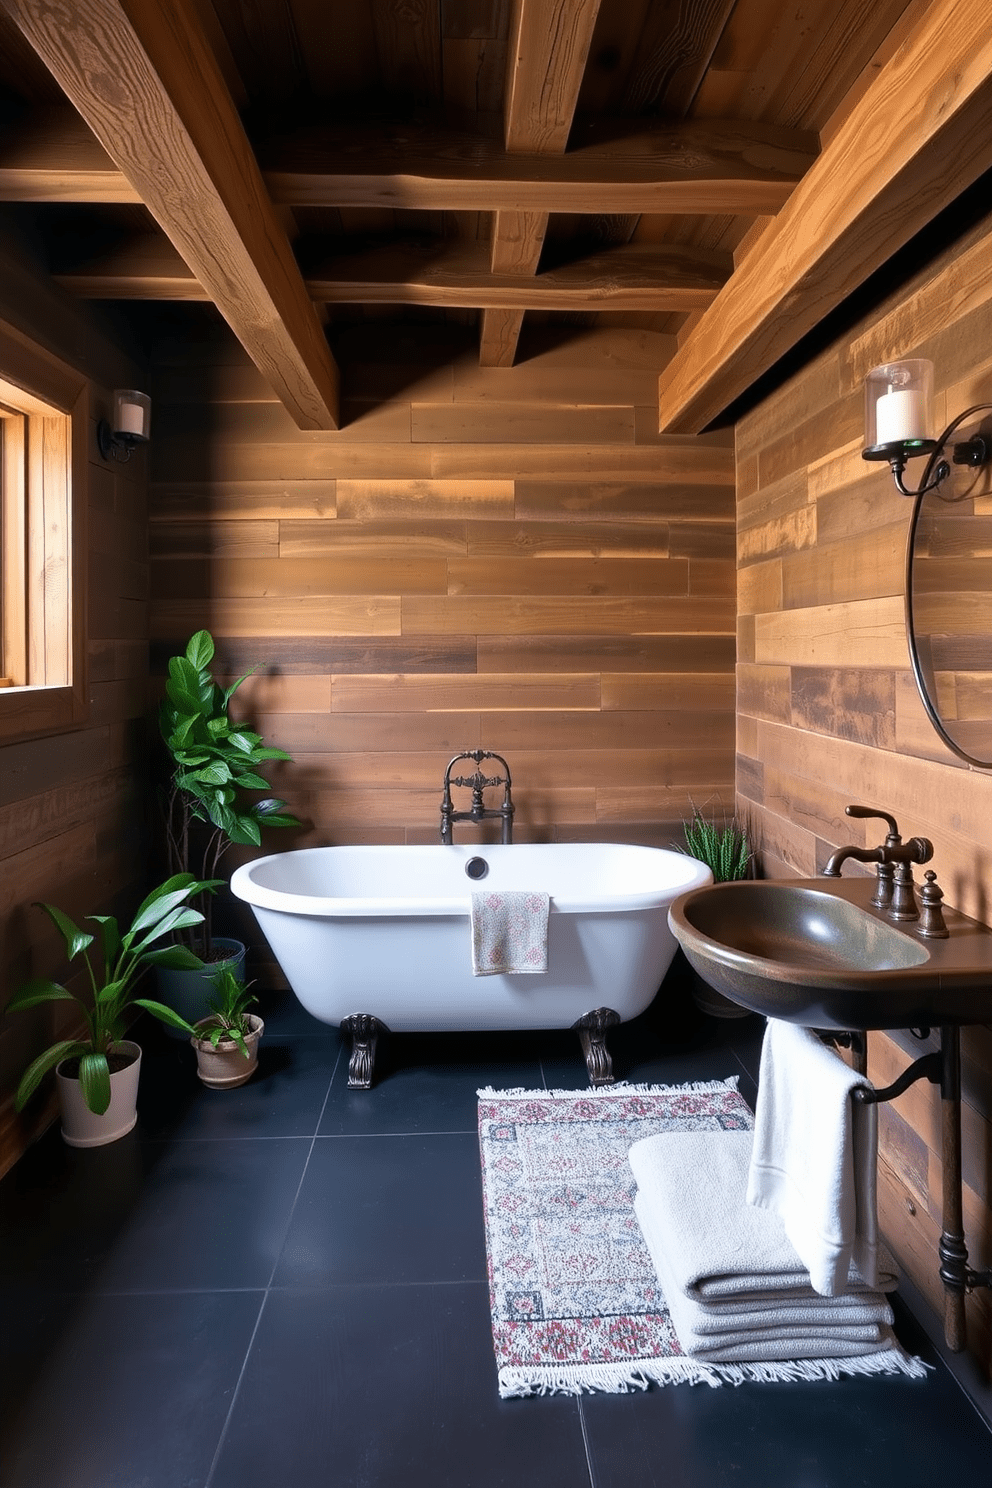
(827, 711)
(73, 806)
(481, 558)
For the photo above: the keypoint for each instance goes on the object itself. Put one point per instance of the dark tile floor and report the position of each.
(285, 1285)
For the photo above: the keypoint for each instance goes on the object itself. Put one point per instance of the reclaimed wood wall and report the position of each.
(505, 559)
(827, 708)
(72, 805)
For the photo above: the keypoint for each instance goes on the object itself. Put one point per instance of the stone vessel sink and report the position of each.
(813, 951)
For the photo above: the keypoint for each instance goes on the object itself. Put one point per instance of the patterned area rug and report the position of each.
(576, 1304)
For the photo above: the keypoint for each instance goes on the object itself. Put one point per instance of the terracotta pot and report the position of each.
(222, 1066)
(81, 1127)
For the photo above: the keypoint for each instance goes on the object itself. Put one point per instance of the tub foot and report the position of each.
(592, 1033)
(363, 1030)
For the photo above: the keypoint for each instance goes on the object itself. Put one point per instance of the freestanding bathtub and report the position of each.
(379, 938)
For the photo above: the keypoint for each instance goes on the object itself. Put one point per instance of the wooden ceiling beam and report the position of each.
(651, 277)
(52, 155)
(648, 276)
(705, 166)
(142, 75)
(546, 61)
(916, 137)
(674, 51)
(713, 166)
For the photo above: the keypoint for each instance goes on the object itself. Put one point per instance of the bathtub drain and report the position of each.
(476, 867)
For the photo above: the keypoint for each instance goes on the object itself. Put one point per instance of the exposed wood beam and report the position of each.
(517, 240)
(713, 166)
(912, 142)
(651, 277)
(675, 48)
(145, 80)
(625, 167)
(635, 276)
(52, 155)
(546, 61)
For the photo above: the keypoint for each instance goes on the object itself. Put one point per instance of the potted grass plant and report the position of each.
(725, 848)
(97, 1072)
(213, 763)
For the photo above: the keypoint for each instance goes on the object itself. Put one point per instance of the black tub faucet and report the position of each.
(478, 782)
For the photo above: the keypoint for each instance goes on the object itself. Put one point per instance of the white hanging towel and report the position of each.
(815, 1154)
(509, 932)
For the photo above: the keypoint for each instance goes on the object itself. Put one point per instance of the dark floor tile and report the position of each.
(283, 1098)
(390, 1388)
(211, 1214)
(387, 1209)
(430, 1083)
(119, 1393)
(821, 1434)
(138, 1216)
(63, 1210)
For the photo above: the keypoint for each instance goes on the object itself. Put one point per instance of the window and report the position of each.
(43, 428)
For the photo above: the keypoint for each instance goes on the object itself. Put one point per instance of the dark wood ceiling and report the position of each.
(300, 162)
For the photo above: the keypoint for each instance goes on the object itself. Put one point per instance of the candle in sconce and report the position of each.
(131, 419)
(901, 416)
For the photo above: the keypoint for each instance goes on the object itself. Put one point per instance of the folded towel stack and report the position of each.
(509, 932)
(815, 1157)
(737, 1291)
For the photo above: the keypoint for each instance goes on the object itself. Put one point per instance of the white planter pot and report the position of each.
(223, 1066)
(81, 1127)
(188, 992)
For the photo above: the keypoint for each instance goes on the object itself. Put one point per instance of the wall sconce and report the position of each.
(897, 421)
(130, 425)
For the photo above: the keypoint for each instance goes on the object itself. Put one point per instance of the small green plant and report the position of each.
(726, 850)
(112, 972)
(213, 760)
(229, 1019)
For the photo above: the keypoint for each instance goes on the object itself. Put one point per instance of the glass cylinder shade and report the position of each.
(132, 415)
(898, 397)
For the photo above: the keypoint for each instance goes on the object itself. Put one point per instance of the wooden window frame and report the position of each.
(44, 419)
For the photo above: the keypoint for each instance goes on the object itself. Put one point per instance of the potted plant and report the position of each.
(97, 1073)
(226, 1041)
(213, 762)
(727, 852)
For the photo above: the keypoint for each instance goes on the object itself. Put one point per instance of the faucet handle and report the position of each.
(865, 812)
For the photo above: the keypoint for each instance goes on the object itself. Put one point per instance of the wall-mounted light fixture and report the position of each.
(897, 423)
(129, 426)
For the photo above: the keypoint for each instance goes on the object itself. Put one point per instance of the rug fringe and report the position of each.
(620, 1379)
(593, 1092)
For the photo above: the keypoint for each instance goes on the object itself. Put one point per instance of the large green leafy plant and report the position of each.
(112, 968)
(214, 761)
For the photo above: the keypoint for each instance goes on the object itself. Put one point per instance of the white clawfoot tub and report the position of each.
(380, 937)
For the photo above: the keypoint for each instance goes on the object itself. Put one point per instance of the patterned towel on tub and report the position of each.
(509, 932)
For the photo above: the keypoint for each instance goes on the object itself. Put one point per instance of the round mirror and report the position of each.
(949, 617)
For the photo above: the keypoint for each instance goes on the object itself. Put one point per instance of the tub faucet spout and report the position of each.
(478, 811)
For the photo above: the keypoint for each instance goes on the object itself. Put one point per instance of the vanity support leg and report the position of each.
(951, 1248)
